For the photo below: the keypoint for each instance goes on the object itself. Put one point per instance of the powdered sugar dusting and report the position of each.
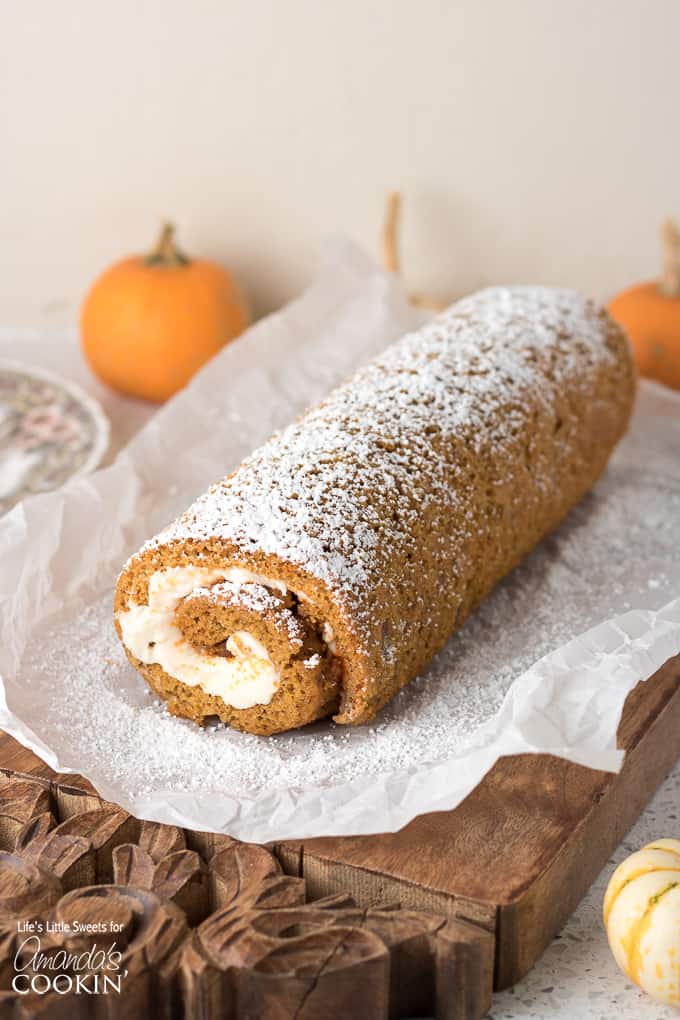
(294, 496)
(258, 599)
(115, 730)
(255, 597)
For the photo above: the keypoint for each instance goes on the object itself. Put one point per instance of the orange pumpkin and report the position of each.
(150, 322)
(650, 314)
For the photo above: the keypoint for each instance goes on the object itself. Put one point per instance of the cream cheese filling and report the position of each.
(245, 679)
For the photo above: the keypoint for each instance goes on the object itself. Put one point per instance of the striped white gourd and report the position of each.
(642, 918)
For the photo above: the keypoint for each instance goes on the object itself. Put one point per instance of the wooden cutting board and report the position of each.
(481, 890)
(520, 852)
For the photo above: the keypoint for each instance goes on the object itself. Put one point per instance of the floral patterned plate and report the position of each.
(50, 430)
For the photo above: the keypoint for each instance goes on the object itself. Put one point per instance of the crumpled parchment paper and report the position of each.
(544, 665)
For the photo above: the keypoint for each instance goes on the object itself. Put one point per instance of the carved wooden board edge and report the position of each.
(652, 740)
(188, 924)
(529, 888)
(650, 730)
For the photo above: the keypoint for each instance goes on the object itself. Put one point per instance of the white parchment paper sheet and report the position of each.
(517, 678)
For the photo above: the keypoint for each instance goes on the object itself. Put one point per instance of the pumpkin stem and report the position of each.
(670, 279)
(390, 233)
(391, 261)
(166, 252)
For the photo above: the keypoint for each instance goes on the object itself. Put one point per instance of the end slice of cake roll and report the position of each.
(324, 573)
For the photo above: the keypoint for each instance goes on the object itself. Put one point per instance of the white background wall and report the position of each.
(534, 140)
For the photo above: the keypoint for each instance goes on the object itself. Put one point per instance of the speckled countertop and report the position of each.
(577, 979)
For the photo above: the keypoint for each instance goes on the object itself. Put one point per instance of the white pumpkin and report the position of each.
(642, 918)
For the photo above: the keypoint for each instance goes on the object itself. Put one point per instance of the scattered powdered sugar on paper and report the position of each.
(586, 572)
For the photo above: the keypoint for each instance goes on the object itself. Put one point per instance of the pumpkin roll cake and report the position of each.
(324, 573)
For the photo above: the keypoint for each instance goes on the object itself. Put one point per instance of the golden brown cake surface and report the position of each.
(386, 513)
